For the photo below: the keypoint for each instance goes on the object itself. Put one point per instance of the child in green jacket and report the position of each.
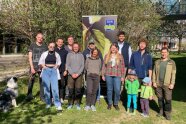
(132, 86)
(145, 96)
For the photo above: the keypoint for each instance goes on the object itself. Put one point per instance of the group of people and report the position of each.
(62, 69)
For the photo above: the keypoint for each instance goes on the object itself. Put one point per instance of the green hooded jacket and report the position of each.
(132, 87)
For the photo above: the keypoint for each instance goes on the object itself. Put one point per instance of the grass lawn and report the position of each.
(34, 112)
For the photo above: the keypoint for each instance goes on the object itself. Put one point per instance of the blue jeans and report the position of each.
(98, 92)
(49, 78)
(132, 97)
(113, 83)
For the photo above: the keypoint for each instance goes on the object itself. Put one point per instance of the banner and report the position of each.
(102, 29)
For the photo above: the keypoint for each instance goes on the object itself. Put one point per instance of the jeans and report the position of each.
(132, 97)
(31, 84)
(92, 88)
(98, 92)
(113, 84)
(50, 79)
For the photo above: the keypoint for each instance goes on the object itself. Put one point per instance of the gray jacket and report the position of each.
(75, 63)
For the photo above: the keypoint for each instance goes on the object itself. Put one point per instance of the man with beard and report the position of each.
(141, 61)
(62, 69)
(164, 74)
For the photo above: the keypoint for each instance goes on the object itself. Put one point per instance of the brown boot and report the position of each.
(160, 114)
(167, 115)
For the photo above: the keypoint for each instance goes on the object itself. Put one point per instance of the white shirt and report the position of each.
(129, 50)
(58, 62)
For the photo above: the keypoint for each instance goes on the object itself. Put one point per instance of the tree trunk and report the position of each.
(179, 45)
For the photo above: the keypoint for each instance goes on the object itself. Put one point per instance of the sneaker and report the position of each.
(78, 107)
(142, 114)
(134, 112)
(62, 101)
(93, 108)
(69, 107)
(128, 111)
(116, 107)
(59, 108)
(48, 106)
(87, 108)
(146, 116)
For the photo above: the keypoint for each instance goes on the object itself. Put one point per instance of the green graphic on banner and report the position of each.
(100, 29)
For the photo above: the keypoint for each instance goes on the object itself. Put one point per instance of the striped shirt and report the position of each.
(118, 70)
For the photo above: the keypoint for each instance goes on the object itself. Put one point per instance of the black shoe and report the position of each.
(116, 107)
(29, 98)
(109, 107)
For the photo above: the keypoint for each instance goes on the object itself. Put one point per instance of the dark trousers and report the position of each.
(92, 87)
(164, 95)
(138, 100)
(144, 106)
(31, 84)
(61, 85)
(74, 87)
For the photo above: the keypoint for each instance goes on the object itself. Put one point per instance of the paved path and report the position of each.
(13, 65)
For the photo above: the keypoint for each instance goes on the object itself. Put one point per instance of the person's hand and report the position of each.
(150, 98)
(56, 67)
(76, 75)
(33, 71)
(122, 79)
(155, 85)
(125, 78)
(103, 78)
(171, 86)
(73, 75)
(65, 73)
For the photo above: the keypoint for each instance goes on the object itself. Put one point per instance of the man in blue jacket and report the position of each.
(141, 61)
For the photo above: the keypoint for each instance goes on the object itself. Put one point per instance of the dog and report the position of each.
(8, 96)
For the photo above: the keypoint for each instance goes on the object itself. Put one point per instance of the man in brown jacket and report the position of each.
(164, 74)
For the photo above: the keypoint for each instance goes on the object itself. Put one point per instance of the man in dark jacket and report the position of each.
(124, 49)
(62, 69)
(141, 61)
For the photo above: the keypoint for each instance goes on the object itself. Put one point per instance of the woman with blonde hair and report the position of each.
(113, 73)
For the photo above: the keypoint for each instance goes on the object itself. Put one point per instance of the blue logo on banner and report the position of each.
(109, 25)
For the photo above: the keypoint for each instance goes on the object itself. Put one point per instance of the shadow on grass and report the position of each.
(30, 112)
(27, 112)
(180, 86)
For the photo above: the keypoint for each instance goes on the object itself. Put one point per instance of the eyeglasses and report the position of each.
(51, 46)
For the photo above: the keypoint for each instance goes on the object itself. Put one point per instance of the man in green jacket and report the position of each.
(164, 74)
